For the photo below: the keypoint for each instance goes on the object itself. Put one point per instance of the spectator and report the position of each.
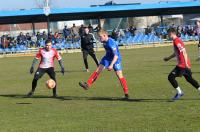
(81, 30)
(98, 28)
(74, 33)
(33, 40)
(51, 36)
(115, 34)
(179, 31)
(44, 36)
(66, 32)
(21, 38)
(91, 30)
(132, 30)
(148, 30)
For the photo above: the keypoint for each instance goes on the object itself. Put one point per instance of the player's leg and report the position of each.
(38, 74)
(92, 54)
(176, 72)
(85, 54)
(118, 70)
(92, 78)
(190, 79)
(52, 75)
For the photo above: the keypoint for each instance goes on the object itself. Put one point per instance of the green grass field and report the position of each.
(100, 108)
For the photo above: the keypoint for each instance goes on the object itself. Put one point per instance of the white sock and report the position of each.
(179, 91)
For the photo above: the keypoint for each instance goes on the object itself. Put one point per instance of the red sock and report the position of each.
(124, 85)
(92, 78)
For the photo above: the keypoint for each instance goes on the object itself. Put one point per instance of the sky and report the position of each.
(28, 4)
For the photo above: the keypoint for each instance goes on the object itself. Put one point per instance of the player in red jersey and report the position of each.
(47, 56)
(183, 67)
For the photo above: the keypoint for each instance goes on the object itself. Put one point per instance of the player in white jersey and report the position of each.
(46, 56)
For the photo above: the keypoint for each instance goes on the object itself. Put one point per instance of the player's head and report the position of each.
(48, 45)
(103, 35)
(172, 33)
(86, 30)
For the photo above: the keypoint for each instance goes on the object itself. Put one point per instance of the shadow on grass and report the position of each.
(35, 96)
(63, 98)
(71, 71)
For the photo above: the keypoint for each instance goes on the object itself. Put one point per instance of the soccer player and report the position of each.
(47, 55)
(112, 60)
(183, 67)
(87, 41)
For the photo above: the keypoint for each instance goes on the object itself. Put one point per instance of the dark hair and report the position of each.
(171, 30)
(47, 41)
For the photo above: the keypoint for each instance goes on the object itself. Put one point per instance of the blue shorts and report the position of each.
(106, 62)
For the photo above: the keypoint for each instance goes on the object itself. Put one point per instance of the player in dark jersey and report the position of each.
(112, 60)
(183, 67)
(47, 56)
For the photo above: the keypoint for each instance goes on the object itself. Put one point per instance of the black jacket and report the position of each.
(87, 41)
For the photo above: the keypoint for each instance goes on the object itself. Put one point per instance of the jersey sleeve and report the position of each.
(179, 45)
(57, 55)
(38, 55)
(113, 47)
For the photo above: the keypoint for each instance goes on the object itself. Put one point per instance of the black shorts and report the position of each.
(41, 71)
(179, 72)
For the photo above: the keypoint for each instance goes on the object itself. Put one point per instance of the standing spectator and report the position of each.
(74, 33)
(87, 41)
(81, 30)
(98, 28)
(66, 32)
(90, 28)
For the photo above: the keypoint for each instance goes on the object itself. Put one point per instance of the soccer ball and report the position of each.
(50, 84)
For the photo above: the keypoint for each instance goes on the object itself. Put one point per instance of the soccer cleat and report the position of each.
(87, 70)
(126, 97)
(30, 94)
(54, 96)
(84, 85)
(177, 96)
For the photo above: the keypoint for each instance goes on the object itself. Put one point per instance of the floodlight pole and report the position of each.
(48, 25)
(47, 13)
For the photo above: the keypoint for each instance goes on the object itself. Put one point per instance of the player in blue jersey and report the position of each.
(111, 61)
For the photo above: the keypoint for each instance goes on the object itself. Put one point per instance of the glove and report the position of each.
(63, 70)
(31, 70)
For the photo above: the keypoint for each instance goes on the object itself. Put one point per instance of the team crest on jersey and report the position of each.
(180, 47)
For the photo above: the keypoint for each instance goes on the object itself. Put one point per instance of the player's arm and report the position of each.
(114, 60)
(35, 60)
(185, 58)
(60, 61)
(61, 66)
(169, 57)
